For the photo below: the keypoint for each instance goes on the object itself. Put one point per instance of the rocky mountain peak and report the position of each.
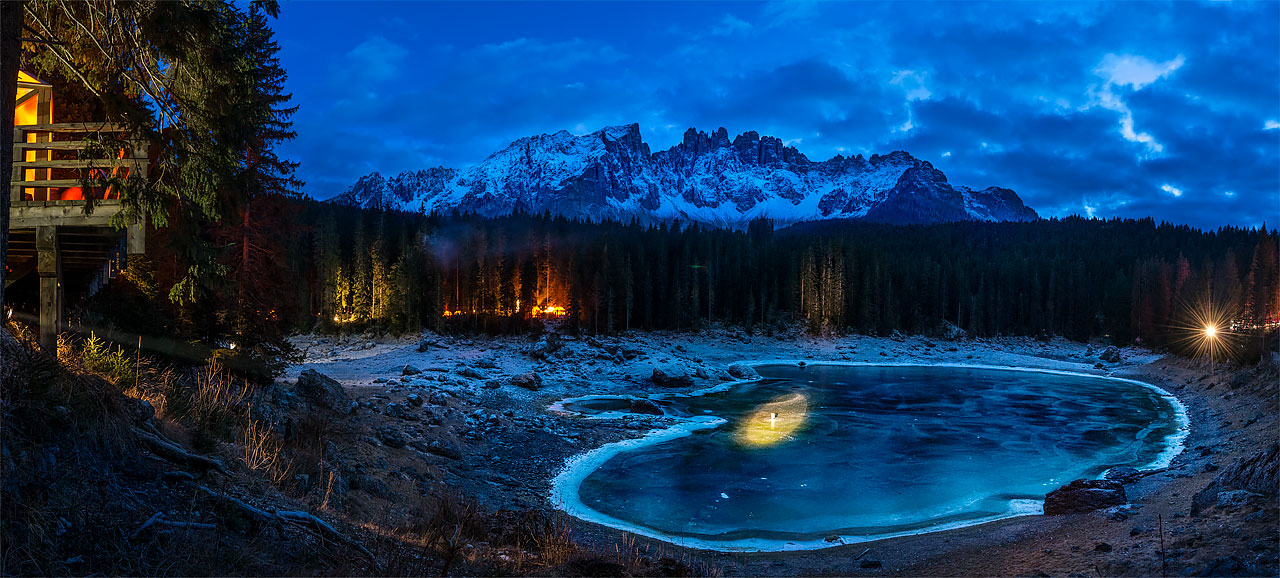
(707, 178)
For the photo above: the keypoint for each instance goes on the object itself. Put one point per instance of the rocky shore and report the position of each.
(470, 414)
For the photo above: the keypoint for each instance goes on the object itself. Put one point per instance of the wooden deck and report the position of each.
(54, 234)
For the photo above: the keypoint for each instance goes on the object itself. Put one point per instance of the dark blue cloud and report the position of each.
(1113, 109)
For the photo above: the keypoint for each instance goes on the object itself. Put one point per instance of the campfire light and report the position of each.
(549, 311)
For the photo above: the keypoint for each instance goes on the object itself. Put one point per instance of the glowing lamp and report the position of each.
(773, 422)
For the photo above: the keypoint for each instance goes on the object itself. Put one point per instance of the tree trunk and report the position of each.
(11, 18)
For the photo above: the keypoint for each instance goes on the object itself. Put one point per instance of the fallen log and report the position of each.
(323, 528)
(176, 454)
(147, 524)
(256, 514)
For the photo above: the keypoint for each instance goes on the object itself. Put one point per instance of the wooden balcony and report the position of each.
(51, 234)
(53, 192)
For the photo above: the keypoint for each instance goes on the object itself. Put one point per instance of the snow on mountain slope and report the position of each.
(706, 178)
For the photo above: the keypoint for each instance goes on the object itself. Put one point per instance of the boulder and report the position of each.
(529, 380)
(645, 406)
(414, 400)
(390, 437)
(471, 373)
(1258, 474)
(398, 411)
(425, 344)
(325, 391)
(493, 384)
(1111, 354)
(437, 448)
(546, 346)
(662, 379)
(1084, 496)
(743, 371)
(410, 370)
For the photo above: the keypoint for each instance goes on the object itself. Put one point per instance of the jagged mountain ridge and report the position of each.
(707, 178)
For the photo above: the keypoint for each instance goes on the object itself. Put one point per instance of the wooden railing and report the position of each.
(32, 173)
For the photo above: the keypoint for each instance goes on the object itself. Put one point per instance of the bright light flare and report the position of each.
(1206, 331)
(773, 422)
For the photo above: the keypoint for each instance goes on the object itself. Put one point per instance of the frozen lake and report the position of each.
(864, 452)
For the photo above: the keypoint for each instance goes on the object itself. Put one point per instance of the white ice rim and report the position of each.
(566, 483)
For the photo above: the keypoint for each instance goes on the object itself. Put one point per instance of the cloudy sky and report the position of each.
(1117, 109)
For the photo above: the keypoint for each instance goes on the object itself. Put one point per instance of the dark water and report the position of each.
(869, 451)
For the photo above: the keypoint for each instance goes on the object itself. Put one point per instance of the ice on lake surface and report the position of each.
(864, 452)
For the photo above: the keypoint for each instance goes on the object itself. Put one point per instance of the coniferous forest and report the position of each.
(342, 269)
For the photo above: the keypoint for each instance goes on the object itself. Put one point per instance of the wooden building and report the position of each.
(62, 243)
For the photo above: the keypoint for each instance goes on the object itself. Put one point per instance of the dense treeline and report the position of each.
(351, 269)
(1073, 277)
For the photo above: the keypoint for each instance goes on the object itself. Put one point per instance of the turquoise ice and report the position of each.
(864, 452)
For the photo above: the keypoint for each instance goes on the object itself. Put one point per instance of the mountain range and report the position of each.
(707, 178)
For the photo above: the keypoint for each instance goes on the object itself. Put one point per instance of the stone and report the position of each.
(1258, 473)
(390, 437)
(530, 381)
(425, 344)
(1084, 496)
(493, 384)
(398, 411)
(645, 406)
(1111, 354)
(1102, 547)
(410, 370)
(414, 400)
(743, 371)
(662, 379)
(1124, 475)
(546, 346)
(1232, 499)
(325, 392)
(471, 373)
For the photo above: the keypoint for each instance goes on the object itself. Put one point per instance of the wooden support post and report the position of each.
(136, 236)
(15, 191)
(50, 269)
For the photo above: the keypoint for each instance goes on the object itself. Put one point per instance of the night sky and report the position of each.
(1122, 109)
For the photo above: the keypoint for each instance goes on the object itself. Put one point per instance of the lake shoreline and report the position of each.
(566, 483)
(498, 470)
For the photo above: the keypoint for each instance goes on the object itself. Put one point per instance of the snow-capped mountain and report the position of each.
(706, 178)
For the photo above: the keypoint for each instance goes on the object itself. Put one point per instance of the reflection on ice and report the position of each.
(773, 421)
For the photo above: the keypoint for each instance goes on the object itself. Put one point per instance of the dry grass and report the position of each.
(264, 452)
